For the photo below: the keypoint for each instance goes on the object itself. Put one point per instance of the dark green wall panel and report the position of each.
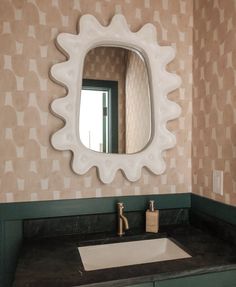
(24, 210)
(11, 241)
(214, 208)
(2, 236)
(13, 238)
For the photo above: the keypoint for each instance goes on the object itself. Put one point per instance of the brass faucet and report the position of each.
(122, 220)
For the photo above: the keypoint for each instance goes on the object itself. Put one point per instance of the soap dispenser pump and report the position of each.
(152, 218)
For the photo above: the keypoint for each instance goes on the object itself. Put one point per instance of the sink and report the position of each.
(103, 256)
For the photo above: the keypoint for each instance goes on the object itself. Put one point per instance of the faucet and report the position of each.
(122, 220)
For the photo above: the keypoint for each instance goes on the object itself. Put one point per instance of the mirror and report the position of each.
(70, 74)
(115, 113)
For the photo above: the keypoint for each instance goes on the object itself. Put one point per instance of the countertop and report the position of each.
(56, 261)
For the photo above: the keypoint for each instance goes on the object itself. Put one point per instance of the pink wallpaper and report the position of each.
(30, 169)
(214, 97)
(137, 104)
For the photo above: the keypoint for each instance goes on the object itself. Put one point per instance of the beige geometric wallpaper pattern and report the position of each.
(214, 97)
(137, 104)
(30, 169)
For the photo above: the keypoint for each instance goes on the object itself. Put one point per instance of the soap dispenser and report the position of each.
(152, 218)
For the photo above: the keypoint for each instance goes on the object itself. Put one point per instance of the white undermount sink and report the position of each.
(103, 256)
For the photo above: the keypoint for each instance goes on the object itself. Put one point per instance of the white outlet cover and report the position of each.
(218, 182)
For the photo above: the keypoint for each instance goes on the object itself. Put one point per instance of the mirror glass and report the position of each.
(115, 105)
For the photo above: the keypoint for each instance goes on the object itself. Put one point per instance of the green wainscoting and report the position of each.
(2, 245)
(214, 208)
(54, 208)
(12, 241)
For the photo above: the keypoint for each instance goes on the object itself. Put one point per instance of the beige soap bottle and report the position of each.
(152, 218)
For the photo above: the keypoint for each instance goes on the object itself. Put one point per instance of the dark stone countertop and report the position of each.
(56, 261)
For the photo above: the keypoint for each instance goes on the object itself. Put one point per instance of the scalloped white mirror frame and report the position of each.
(69, 74)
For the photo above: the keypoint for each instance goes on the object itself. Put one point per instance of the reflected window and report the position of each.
(98, 123)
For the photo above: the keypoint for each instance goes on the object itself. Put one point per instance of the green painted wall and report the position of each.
(12, 240)
(214, 208)
(2, 245)
(40, 209)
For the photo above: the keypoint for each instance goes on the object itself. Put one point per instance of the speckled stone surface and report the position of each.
(56, 261)
(94, 223)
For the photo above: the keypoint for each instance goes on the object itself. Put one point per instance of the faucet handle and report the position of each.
(120, 204)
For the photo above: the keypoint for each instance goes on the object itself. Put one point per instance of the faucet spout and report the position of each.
(123, 223)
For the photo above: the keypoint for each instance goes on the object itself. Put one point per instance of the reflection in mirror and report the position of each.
(115, 112)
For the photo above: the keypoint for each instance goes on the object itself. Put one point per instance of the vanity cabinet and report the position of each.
(211, 253)
(217, 279)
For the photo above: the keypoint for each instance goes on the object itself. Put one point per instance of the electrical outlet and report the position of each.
(218, 181)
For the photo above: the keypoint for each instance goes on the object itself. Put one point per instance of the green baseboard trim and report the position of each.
(214, 208)
(55, 208)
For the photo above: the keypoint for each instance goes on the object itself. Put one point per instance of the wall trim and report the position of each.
(54, 208)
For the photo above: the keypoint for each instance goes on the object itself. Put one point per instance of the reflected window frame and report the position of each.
(111, 137)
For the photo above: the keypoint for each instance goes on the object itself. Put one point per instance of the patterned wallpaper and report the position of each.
(137, 104)
(214, 97)
(108, 63)
(30, 169)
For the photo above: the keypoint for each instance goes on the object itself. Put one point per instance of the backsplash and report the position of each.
(30, 169)
(98, 223)
(214, 101)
